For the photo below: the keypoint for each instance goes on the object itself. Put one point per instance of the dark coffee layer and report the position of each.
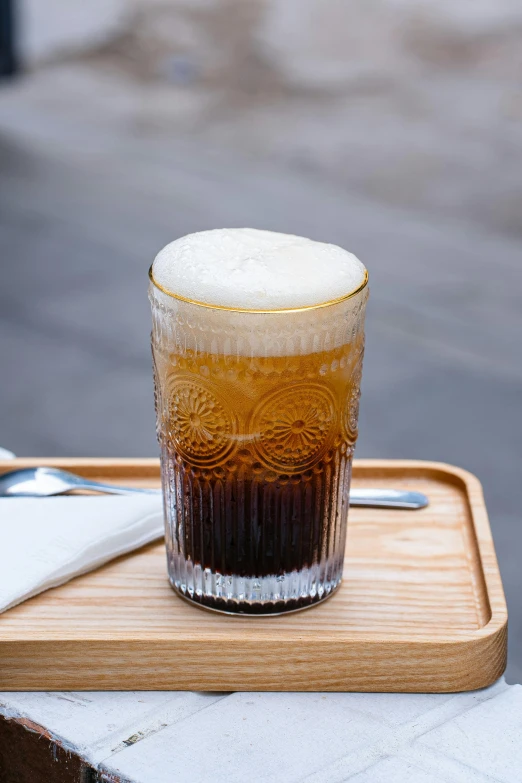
(248, 522)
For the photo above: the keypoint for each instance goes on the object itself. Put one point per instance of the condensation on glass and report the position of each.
(257, 423)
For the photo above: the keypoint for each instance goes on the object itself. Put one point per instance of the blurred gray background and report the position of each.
(391, 127)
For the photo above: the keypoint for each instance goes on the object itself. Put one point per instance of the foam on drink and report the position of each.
(249, 269)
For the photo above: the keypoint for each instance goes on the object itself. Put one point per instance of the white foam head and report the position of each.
(248, 269)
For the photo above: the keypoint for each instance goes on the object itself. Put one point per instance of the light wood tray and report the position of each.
(421, 608)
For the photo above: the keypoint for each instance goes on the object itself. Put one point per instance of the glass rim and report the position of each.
(274, 311)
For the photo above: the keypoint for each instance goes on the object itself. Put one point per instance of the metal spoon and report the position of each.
(42, 482)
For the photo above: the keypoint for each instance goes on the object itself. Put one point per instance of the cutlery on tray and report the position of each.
(43, 482)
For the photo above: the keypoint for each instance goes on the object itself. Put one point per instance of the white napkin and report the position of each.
(47, 541)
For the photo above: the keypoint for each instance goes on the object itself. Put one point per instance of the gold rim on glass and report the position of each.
(339, 299)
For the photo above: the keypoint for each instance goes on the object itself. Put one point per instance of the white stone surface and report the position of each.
(253, 736)
(395, 770)
(159, 737)
(487, 738)
(98, 724)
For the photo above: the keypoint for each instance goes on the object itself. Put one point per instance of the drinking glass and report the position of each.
(257, 423)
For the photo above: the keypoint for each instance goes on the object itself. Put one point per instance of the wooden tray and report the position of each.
(421, 608)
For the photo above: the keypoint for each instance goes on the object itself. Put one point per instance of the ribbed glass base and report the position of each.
(254, 595)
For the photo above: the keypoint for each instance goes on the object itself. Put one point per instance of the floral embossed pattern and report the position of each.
(351, 406)
(293, 427)
(200, 422)
(157, 398)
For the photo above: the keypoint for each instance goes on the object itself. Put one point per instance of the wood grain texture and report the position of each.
(421, 608)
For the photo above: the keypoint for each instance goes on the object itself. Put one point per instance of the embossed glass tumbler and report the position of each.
(257, 423)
